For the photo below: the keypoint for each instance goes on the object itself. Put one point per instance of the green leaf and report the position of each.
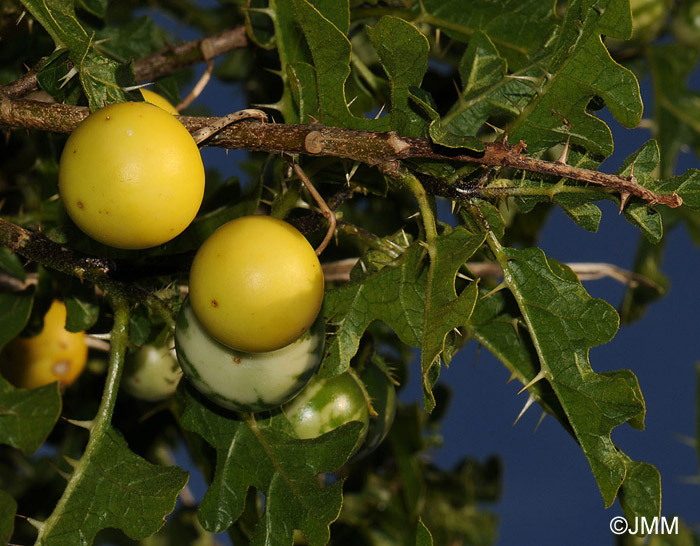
(577, 69)
(496, 324)
(395, 295)
(15, 309)
(82, 311)
(644, 162)
(260, 453)
(8, 508)
(641, 492)
(10, 263)
(444, 309)
(423, 536)
(518, 28)
(28, 416)
(331, 50)
(564, 323)
(100, 77)
(676, 107)
(113, 487)
(481, 71)
(403, 52)
(647, 263)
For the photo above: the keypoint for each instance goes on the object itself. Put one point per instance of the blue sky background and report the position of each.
(549, 495)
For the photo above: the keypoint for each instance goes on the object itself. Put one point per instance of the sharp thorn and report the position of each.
(71, 461)
(463, 276)
(500, 287)
(624, 198)
(513, 375)
(65, 475)
(539, 421)
(87, 425)
(452, 211)
(528, 403)
(540, 375)
(456, 331)
(564, 153)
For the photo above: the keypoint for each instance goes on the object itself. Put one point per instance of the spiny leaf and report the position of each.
(261, 453)
(564, 323)
(28, 416)
(579, 68)
(496, 324)
(99, 75)
(518, 28)
(8, 507)
(331, 50)
(395, 295)
(113, 487)
(403, 52)
(444, 308)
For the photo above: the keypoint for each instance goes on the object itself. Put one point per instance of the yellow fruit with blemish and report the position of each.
(54, 355)
(131, 176)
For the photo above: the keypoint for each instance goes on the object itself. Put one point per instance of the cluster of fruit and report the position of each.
(250, 335)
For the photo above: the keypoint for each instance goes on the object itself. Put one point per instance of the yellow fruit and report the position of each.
(54, 355)
(160, 101)
(256, 284)
(131, 176)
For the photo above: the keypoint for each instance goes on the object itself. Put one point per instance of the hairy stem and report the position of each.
(100, 424)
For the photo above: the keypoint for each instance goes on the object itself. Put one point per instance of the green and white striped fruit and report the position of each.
(151, 373)
(326, 404)
(243, 381)
(382, 394)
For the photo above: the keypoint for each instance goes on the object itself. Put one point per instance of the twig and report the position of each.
(369, 147)
(339, 271)
(38, 248)
(156, 65)
(328, 214)
(198, 88)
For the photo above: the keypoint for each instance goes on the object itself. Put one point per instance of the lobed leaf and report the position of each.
(261, 453)
(113, 487)
(99, 76)
(444, 309)
(577, 69)
(564, 323)
(403, 52)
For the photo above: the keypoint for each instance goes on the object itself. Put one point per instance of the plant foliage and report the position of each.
(517, 79)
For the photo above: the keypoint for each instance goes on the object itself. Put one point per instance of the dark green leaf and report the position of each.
(27, 416)
(101, 78)
(113, 487)
(445, 310)
(579, 68)
(676, 107)
(15, 309)
(11, 263)
(423, 536)
(403, 52)
(8, 507)
(260, 453)
(564, 323)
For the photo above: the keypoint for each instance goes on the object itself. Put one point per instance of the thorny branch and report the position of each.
(370, 147)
